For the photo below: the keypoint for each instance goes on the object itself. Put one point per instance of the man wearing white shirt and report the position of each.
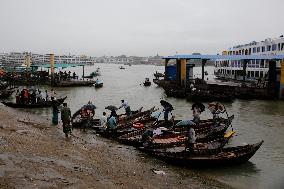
(126, 107)
(103, 121)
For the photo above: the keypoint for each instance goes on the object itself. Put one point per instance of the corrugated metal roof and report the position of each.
(227, 57)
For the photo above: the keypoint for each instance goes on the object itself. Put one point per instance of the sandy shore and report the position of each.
(34, 154)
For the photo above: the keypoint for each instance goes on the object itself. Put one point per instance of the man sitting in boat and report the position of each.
(147, 137)
(126, 107)
(196, 114)
(191, 139)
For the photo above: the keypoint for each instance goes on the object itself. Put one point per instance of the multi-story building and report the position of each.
(255, 68)
(15, 59)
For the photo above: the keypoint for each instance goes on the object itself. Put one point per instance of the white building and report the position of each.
(255, 68)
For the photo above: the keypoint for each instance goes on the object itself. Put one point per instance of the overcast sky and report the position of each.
(136, 27)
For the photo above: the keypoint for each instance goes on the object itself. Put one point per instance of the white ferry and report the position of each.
(256, 69)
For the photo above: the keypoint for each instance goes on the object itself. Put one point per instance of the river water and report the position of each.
(255, 120)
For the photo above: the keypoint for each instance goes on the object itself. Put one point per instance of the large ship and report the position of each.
(256, 69)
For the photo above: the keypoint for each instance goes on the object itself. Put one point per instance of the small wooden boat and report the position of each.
(125, 124)
(93, 74)
(147, 82)
(176, 136)
(209, 158)
(39, 105)
(178, 93)
(121, 67)
(158, 74)
(99, 85)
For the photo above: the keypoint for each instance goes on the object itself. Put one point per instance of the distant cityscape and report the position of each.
(14, 59)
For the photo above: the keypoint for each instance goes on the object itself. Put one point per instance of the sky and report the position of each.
(136, 27)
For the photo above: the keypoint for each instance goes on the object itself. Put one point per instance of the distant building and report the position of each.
(15, 59)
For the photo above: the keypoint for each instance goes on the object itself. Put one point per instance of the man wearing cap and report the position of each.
(66, 117)
(126, 107)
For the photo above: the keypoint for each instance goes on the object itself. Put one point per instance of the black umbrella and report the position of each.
(89, 107)
(166, 104)
(111, 108)
(199, 105)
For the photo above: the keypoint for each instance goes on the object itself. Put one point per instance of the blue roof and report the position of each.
(227, 57)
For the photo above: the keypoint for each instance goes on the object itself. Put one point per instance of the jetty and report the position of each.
(178, 80)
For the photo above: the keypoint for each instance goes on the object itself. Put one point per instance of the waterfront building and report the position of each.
(16, 59)
(233, 69)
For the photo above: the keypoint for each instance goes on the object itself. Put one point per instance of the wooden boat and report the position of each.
(125, 124)
(40, 105)
(207, 158)
(175, 136)
(6, 93)
(147, 82)
(99, 85)
(121, 67)
(202, 123)
(162, 145)
(158, 74)
(93, 74)
(178, 93)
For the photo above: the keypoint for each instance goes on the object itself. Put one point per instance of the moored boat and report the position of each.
(125, 123)
(38, 105)
(209, 158)
(147, 82)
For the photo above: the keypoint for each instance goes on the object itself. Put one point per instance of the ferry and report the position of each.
(256, 69)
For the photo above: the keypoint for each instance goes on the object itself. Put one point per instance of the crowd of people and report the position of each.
(64, 76)
(34, 96)
(87, 112)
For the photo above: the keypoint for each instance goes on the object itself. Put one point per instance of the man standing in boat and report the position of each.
(168, 108)
(65, 118)
(126, 107)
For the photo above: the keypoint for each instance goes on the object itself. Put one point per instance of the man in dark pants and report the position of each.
(65, 118)
(126, 107)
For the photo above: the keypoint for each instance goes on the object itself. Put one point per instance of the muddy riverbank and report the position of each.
(35, 154)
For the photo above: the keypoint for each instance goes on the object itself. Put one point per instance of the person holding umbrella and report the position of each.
(113, 111)
(167, 109)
